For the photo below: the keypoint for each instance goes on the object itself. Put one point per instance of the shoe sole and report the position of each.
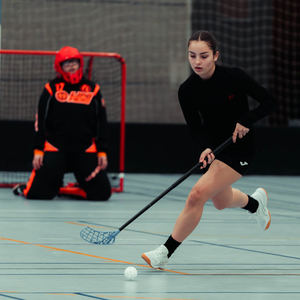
(269, 223)
(146, 259)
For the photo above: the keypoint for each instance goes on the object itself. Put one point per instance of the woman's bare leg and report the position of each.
(215, 184)
(230, 197)
(218, 178)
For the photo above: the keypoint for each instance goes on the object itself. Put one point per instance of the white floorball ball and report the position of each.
(130, 273)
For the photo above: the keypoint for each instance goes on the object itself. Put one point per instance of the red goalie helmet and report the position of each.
(64, 54)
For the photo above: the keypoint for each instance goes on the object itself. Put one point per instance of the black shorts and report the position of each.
(239, 162)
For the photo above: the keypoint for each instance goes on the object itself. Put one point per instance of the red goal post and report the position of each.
(23, 74)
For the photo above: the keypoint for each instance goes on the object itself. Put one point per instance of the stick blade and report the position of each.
(93, 236)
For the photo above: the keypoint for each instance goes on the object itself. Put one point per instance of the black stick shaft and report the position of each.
(175, 184)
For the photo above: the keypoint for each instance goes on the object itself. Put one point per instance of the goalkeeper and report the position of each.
(70, 134)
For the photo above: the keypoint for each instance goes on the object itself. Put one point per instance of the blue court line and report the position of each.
(208, 292)
(199, 242)
(105, 264)
(11, 297)
(202, 292)
(235, 292)
(89, 296)
(115, 293)
(244, 249)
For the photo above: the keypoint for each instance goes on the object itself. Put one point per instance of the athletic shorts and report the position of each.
(239, 162)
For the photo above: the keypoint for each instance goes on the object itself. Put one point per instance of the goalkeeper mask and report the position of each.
(65, 54)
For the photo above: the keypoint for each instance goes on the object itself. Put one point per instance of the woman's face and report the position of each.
(202, 59)
(70, 66)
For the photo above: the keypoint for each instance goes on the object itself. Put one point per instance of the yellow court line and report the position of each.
(62, 294)
(89, 255)
(83, 224)
(65, 250)
(111, 296)
(146, 266)
(107, 227)
(149, 298)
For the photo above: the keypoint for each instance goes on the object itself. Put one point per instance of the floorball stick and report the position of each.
(108, 237)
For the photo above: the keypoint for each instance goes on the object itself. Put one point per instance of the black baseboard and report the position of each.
(157, 148)
(154, 148)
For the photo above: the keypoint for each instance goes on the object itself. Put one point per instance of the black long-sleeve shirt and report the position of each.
(71, 116)
(212, 107)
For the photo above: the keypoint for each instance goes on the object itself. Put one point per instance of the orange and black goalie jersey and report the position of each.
(71, 117)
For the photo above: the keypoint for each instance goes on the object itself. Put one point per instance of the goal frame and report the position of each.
(122, 62)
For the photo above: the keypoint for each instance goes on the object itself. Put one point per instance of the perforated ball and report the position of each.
(130, 273)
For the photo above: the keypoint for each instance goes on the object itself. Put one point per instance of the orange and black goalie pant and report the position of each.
(45, 182)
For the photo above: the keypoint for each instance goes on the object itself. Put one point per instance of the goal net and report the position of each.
(22, 77)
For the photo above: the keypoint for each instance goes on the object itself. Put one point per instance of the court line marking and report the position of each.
(11, 297)
(146, 266)
(245, 249)
(83, 224)
(89, 255)
(196, 241)
(160, 298)
(191, 293)
(149, 298)
(58, 294)
(90, 296)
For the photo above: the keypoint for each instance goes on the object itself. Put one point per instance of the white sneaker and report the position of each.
(263, 216)
(156, 258)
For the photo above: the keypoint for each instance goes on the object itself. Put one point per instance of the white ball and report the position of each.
(130, 273)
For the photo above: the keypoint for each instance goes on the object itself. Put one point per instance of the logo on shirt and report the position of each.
(77, 97)
(243, 163)
(85, 88)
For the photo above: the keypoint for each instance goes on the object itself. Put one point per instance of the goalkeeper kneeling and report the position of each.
(70, 135)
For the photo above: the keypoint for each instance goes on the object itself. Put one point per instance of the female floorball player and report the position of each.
(214, 103)
(70, 134)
